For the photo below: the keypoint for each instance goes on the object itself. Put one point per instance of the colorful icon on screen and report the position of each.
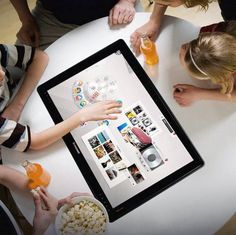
(83, 103)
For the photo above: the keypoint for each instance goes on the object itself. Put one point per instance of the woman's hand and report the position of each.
(185, 94)
(151, 29)
(45, 210)
(103, 110)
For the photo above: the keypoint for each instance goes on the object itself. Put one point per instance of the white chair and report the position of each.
(8, 225)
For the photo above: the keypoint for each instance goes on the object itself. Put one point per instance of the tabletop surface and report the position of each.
(200, 203)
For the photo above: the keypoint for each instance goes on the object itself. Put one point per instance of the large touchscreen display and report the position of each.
(131, 153)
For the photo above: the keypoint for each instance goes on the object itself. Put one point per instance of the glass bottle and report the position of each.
(37, 175)
(148, 49)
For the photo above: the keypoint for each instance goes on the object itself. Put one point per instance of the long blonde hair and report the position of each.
(215, 55)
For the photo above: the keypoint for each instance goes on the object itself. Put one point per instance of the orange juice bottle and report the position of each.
(36, 174)
(148, 49)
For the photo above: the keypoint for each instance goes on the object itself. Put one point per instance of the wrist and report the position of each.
(204, 94)
(37, 231)
(26, 18)
(16, 105)
(158, 12)
(159, 5)
(154, 23)
(81, 117)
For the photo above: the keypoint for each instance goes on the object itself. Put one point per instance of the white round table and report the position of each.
(200, 203)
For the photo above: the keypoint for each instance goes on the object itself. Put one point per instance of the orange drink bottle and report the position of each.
(148, 49)
(37, 175)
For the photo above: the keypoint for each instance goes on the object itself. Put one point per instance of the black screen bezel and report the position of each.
(148, 193)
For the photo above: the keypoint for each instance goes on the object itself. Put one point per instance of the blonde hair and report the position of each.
(215, 54)
(204, 4)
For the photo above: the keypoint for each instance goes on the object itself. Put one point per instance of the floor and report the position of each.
(9, 30)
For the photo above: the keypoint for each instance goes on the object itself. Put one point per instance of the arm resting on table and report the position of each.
(13, 179)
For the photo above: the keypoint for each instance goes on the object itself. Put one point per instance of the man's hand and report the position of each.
(122, 13)
(29, 33)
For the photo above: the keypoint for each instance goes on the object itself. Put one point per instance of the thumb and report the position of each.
(64, 201)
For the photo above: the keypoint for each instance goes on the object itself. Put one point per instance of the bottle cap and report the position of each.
(144, 35)
(25, 163)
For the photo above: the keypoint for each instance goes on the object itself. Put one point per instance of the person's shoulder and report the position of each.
(209, 28)
(224, 27)
(15, 45)
(7, 45)
(8, 48)
(3, 48)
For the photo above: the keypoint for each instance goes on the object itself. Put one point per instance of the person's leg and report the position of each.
(50, 28)
(228, 9)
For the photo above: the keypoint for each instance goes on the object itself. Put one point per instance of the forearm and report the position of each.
(214, 94)
(32, 77)
(104, 110)
(53, 134)
(13, 179)
(158, 13)
(22, 9)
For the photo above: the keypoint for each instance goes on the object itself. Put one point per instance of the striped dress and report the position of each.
(12, 134)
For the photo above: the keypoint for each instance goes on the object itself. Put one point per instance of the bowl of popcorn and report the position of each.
(84, 216)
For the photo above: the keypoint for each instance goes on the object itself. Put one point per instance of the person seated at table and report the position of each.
(18, 64)
(212, 56)
(153, 26)
(33, 62)
(21, 67)
(45, 204)
(51, 19)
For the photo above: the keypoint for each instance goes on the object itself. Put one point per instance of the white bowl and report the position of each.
(75, 201)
